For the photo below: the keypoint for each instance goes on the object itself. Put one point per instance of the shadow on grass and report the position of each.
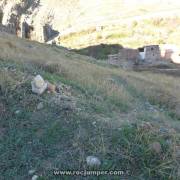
(100, 51)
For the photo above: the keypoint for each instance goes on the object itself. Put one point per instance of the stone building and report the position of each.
(126, 58)
(150, 53)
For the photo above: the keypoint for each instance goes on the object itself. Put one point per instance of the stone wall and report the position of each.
(26, 30)
(113, 59)
(168, 54)
(1, 16)
(8, 29)
(152, 53)
(129, 54)
(126, 58)
(147, 55)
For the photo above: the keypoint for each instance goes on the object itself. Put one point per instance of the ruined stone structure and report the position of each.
(24, 30)
(49, 33)
(129, 54)
(151, 53)
(128, 58)
(8, 29)
(17, 17)
(114, 59)
(1, 17)
(46, 32)
(167, 54)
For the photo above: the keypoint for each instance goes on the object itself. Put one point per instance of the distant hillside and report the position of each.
(87, 23)
(137, 33)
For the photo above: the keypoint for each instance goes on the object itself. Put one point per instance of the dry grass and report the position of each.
(160, 88)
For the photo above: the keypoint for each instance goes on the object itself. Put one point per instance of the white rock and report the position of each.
(40, 106)
(93, 161)
(38, 85)
(17, 112)
(35, 177)
(31, 172)
(94, 123)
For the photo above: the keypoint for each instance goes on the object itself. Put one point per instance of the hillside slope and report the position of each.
(99, 110)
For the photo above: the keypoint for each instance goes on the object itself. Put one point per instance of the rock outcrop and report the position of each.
(38, 85)
(93, 161)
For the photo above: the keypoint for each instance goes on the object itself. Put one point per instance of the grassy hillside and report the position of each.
(78, 15)
(99, 110)
(131, 33)
(87, 23)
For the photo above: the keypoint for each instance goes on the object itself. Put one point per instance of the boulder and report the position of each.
(93, 161)
(40, 106)
(17, 112)
(163, 130)
(31, 172)
(38, 85)
(35, 177)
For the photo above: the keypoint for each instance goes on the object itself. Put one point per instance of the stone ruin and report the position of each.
(8, 29)
(49, 33)
(1, 16)
(13, 21)
(147, 55)
(126, 58)
(150, 53)
(23, 29)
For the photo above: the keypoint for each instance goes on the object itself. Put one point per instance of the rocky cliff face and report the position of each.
(43, 20)
(39, 20)
(20, 14)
